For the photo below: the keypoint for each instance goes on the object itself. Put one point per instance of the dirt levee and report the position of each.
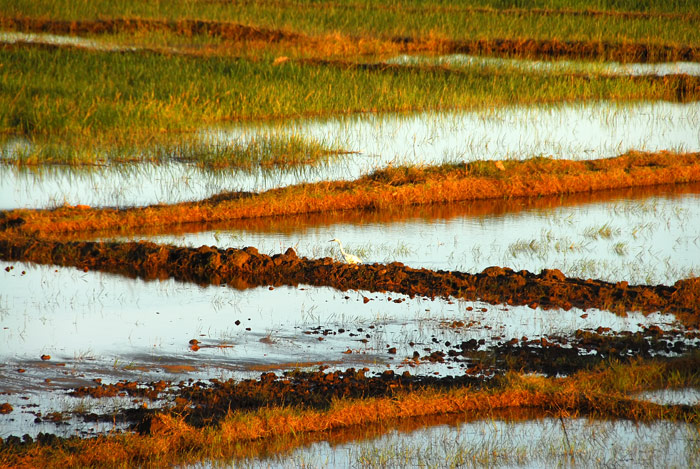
(246, 268)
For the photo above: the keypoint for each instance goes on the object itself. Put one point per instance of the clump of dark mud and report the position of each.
(247, 268)
(558, 355)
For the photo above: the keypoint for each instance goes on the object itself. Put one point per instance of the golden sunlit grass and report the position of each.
(604, 391)
(392, 187)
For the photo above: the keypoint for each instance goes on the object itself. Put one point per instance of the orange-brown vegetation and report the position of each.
(342, 45)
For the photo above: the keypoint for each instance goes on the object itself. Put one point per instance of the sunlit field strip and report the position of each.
(381, 19)
(391, 187)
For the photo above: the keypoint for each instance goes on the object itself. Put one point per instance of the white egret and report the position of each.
(349, 258)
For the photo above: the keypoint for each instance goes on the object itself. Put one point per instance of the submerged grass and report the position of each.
(265, 150)
(600, 392)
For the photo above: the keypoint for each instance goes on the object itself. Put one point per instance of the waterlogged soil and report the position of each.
(643, 236)
(127, 347)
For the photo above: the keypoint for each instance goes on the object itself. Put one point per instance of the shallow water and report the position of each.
(102, 326)
(552, 66)
(682, 396)
(645, 239)
(543, 442)
(572, 131)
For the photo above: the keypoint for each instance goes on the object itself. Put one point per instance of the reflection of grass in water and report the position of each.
(543, 442)
(261, 150)
(602, 392)
(368, 252)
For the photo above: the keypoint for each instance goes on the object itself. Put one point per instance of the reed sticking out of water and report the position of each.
(112, 100)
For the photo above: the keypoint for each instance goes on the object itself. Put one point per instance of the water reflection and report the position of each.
(540, 442)
(554, 66)
(13, 37)
(106, 327)
(573, 131)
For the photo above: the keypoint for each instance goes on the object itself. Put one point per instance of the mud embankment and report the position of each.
(247, 268)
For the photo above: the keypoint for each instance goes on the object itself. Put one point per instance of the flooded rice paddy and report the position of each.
(64, 328)
(552, 66)
(570, 131)
(13, 37)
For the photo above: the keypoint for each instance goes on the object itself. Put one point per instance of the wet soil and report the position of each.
(530, 48)
(247, 268)
(207, 402)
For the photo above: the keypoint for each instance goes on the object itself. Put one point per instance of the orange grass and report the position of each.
(388, 188)
(603, 392)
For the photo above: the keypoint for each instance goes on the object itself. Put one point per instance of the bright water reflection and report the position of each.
(553, 66)
(573, 131)
(641, 240)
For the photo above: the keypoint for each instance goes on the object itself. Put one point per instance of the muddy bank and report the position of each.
(247, 268)
(530, 48)
(205, 403)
